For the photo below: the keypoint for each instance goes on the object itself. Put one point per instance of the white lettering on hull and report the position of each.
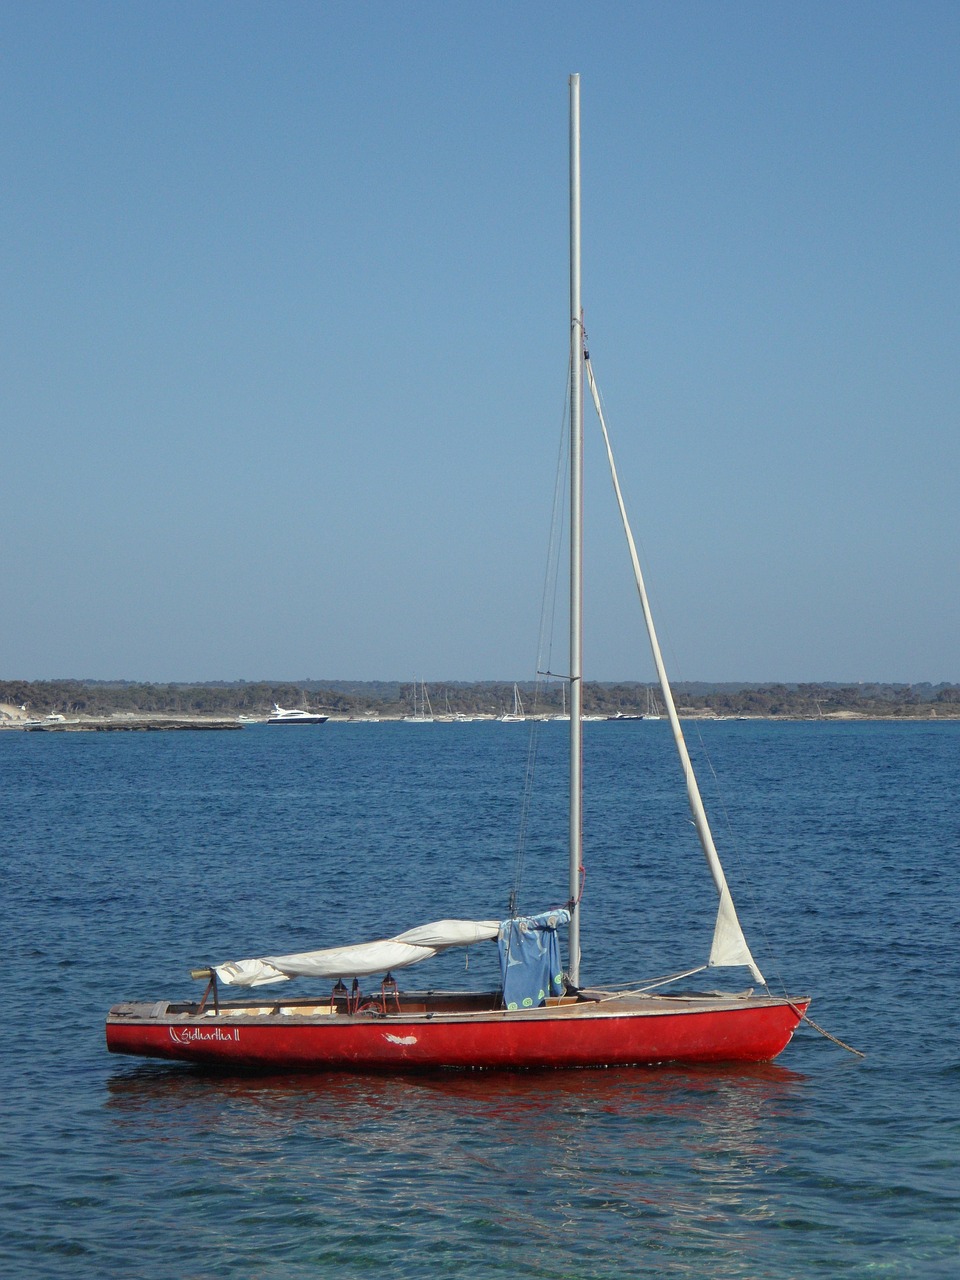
(195, 1035)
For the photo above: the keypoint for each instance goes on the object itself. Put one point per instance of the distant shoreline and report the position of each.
(98, 704)
(159, 723)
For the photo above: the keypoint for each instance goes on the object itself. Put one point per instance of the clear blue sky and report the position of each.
(284, 336)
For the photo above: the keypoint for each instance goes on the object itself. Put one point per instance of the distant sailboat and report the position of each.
(422, 714)
(563, 705)
(653, 711)
(518, 713)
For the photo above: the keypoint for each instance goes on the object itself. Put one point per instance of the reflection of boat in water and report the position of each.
(281, 716)
(751, 1090)
(540, 1016)
(613, 1134)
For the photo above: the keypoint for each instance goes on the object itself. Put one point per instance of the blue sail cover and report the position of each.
(530, 962)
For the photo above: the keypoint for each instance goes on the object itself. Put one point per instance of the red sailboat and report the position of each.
(541, 1016)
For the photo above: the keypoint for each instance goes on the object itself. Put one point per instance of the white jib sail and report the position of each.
(729, 946)
(361, 959)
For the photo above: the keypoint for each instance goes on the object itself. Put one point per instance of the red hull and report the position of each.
(720, 1030)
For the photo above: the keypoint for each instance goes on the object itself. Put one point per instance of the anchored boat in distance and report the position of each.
(281, 716)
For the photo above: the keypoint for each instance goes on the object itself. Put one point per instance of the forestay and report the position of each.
(729, 945)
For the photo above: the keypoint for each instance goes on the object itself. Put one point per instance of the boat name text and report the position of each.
(191, 1035)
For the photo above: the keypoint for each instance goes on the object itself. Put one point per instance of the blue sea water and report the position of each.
(129, 858)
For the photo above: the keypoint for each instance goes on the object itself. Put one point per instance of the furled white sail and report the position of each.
(729, 945)
(361, 959)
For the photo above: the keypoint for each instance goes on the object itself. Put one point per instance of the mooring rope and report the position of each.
(804, 1017)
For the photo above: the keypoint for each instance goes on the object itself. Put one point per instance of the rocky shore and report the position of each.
(14, 718)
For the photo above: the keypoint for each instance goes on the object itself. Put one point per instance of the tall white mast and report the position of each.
(576, 538)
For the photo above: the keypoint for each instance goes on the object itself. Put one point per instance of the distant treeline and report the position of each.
(356, 698)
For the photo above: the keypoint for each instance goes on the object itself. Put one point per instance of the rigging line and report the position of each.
(644, 555)
(645, 559)
(575, 902)
(533, 742)
(651, 984)
(548, 599)
(599, 404)
(548, 607)
(729, 946)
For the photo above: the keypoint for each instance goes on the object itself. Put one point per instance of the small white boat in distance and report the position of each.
(517, 715)
(280, 716)
(422, 712)
(653, 707)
